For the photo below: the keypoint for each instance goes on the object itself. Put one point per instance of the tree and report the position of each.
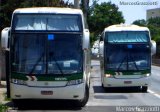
(6, 10)
(104, 15)
(101, 16)
(85, 7)
(140, 22)
(154, 21)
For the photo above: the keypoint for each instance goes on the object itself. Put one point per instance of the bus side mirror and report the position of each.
(101, 48)
(153, 47)
(5, 38)
(86, 40)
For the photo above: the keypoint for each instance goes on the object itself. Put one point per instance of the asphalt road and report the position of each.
(113, 100)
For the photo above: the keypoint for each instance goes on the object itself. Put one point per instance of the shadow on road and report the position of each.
(112, 97)
(99, 89)
(45, 105)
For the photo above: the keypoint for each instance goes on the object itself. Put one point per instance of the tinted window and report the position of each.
(49, 22)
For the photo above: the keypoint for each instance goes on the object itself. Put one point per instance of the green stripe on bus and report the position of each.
(18, 76)
(128, 72)
(22, 76)
(60, 78)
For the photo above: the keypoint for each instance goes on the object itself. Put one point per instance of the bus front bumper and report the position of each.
(72, 92)
(119, 82)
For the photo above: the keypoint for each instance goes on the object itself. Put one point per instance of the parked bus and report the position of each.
(49, 55)
(126, 56)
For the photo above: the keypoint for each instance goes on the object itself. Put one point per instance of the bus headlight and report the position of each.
(109, 75)
(75, 82)
(17, 81)
(147, 75)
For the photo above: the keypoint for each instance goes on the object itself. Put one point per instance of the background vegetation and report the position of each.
(101, 16)
(3, 108)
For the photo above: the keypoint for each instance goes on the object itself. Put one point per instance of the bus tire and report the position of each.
(16, 103)
(82, 102)
(144, 88)
(102, 86)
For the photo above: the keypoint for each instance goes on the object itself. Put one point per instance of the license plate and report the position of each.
(47, 92)
(127, 82)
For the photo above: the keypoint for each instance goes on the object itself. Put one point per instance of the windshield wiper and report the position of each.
(51, 54)
(126, 57)
(39, 59)
(134, 62)
(121, 63)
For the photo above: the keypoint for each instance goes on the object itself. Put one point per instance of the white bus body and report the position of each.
(125, 52)
(49, 54)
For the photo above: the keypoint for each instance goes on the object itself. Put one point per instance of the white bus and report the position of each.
(125, 52)
(49, 55)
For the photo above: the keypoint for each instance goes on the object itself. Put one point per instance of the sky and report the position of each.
(133, 12)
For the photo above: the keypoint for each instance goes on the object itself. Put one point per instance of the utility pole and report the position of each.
(85, 10)
(76, 4)
(85, 5)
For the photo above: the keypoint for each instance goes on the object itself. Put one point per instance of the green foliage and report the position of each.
(104, 15)
(155, 32)
(3, 108)
(92, 38)
(5, 97)
(101, 16)
(140, 22)
(154, 21)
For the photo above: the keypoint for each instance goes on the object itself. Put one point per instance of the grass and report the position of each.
(5, 97)
(3, 108)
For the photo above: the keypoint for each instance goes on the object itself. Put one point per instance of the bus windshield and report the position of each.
(127, 57)
(127, 36)
(43, 53)
(49, 22)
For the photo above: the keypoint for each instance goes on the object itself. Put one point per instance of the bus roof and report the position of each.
(48, 10)
(123, 27)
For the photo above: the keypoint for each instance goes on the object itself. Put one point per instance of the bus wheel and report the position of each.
(144, 88)
(16, 102)
(102, 85)
(82, 102)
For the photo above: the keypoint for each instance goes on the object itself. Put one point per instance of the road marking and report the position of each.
(155, 94)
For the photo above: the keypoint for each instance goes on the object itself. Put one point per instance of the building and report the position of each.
(152, 13)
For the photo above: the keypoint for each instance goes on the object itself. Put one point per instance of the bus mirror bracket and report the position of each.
(5, 38)
(101, 48)
(86, 39)
(153, 47)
